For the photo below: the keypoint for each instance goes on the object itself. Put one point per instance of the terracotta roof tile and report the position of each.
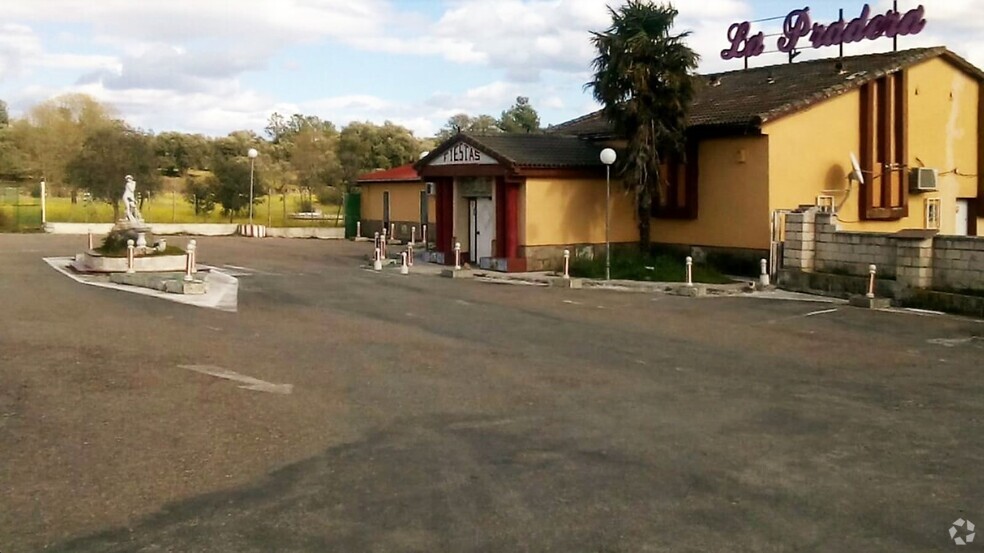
(405, 173)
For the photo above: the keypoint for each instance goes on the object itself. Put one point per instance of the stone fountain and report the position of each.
(130, 255)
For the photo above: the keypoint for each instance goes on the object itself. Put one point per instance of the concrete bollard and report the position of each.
(872, 271)
(193, 248)
(189, 272)
(392, 234)
(377, 260)
(457, 256)
(129, 256)
(410, 254)
(358, 229)
(764, 275)
(413, 234)
(383, 242)
(567, 264)
(404, 268)
(690, 271)
(90, 239)
(190, 261)
(423, 236)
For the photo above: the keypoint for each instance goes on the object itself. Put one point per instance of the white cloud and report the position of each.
(180, 64)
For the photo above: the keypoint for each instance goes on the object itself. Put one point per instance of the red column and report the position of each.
(511, 242)
(445, 215)
(501, 228)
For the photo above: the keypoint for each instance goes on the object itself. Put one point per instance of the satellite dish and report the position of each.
(856, 169)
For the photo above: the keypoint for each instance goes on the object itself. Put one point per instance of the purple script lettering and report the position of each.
(742, 45)
(797, 26)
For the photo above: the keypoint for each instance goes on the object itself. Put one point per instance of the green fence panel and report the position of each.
(353, 211)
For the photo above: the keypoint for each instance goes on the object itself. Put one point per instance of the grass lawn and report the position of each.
(164, 208)
(651, 268)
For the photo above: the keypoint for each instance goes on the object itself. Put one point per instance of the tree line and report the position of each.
(77, 144)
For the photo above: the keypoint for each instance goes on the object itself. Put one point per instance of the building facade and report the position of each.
(761, 143)
(398, 200)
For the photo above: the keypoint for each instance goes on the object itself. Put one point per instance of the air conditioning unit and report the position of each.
(431, 189)
(922, 179)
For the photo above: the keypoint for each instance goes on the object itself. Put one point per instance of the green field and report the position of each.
(23, 212)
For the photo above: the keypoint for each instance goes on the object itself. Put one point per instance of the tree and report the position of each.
(230, 184)
(281, 129)
(178, 152)
(4, 115)
(53, 132)
(315, 158)
(644, 78)
(200, 194)
(364, 147)
(462, 122)
(107, 156)
(521, 117)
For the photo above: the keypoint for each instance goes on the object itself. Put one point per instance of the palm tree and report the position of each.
(644, 78)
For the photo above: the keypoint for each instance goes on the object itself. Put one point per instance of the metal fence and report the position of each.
(19, 211)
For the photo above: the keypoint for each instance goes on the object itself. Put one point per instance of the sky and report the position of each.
(214, 66)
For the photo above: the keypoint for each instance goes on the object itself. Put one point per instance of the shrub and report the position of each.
(650, 267)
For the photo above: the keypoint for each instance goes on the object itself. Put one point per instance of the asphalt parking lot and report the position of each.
(429, 414)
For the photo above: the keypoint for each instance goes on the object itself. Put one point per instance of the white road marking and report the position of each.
(569, 302)
(953, 342)
(223, 289)
(251, 383)
(824, 312)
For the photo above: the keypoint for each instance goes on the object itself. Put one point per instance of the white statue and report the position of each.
(130, 201)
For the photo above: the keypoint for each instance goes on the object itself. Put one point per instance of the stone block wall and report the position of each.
(958, 263)
(914, 259)
(850, 252)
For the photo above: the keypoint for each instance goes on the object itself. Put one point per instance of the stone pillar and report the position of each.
(914, 262)
(800, 248)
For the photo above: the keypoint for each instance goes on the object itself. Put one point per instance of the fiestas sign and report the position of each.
(463, 154)
(799, 26)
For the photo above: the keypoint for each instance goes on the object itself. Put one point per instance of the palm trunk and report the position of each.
(645, 217)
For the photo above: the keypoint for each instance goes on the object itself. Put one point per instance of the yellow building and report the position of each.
(396, 199)
(761, 142)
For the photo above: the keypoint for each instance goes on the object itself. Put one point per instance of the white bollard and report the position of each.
(404, 268)
(690, 271)
(193, 248)
(190, 269)
(189, 272)
(872, 271)
(764, 275)
(413, 234)
(375, 240)
(383, 242)
(90, 239)
(358, 229)
(410, 254)
(567, 264)
(129, 256)
(457, 256)
(423, 235)
(392, 231)
(377, 261)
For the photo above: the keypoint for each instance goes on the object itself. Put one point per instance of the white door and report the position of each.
(963, 218)
(481, 230)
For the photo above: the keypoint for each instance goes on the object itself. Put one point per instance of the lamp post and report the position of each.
(252, 153)
(608, 157)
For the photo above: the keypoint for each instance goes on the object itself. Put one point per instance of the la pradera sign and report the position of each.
(799, 25)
